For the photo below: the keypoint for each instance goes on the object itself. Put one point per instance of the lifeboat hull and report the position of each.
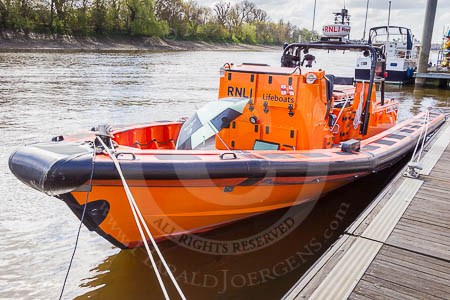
(182, 192)
(171, 210)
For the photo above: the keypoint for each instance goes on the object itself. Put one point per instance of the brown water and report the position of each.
(47, 94)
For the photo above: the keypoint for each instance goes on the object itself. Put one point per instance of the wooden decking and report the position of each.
(442, 79)
(434, 75)
(399, 248)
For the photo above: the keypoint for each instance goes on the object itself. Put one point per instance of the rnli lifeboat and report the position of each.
(276, 137)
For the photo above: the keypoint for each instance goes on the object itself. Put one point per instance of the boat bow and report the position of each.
(53, 168)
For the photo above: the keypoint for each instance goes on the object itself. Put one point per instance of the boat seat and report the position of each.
(340, 94)
(340, 104)
(329, 85)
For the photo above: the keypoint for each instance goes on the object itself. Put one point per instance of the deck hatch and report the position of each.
(385, 142)
(314, 154)
(177, 157)
(407, 130)
(346, 153)
(370, 147)
(396, 136)
(277, 155)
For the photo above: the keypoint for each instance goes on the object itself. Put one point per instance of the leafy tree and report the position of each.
(222, 10)
(143, 21)
(171, 11)
(181, 19)
(98, 16)
(193, 16)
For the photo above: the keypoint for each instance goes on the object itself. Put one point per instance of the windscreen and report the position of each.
(205, 123)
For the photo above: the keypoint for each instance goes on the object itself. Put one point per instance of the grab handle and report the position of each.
(223, 155)
(133, 156)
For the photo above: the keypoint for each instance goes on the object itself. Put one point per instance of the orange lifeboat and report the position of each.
(277, 137)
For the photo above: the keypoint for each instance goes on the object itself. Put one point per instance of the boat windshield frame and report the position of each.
(401, 31)
(376, 54)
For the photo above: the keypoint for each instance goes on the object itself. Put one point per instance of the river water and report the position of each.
(47, 94)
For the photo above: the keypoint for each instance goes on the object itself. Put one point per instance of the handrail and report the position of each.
(375, 52)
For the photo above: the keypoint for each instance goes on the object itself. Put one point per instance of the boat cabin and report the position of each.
(291, 107)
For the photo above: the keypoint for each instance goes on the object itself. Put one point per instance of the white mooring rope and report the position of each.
(414, 166)
(347, 98)
(357, 119)
(138, 219)
(423, 129)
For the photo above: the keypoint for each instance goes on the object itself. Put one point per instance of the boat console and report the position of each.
(291, 107)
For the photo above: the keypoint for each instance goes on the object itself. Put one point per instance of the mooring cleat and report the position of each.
(413, 170)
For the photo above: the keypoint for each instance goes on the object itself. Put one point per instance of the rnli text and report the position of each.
(239, 92)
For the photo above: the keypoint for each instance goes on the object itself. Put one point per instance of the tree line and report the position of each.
(178, 19)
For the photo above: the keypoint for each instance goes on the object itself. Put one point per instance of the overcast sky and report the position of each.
(407, 13)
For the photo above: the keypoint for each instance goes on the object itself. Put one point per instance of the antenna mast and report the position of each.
(365, 22)
(389, 20)
(314, 17)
